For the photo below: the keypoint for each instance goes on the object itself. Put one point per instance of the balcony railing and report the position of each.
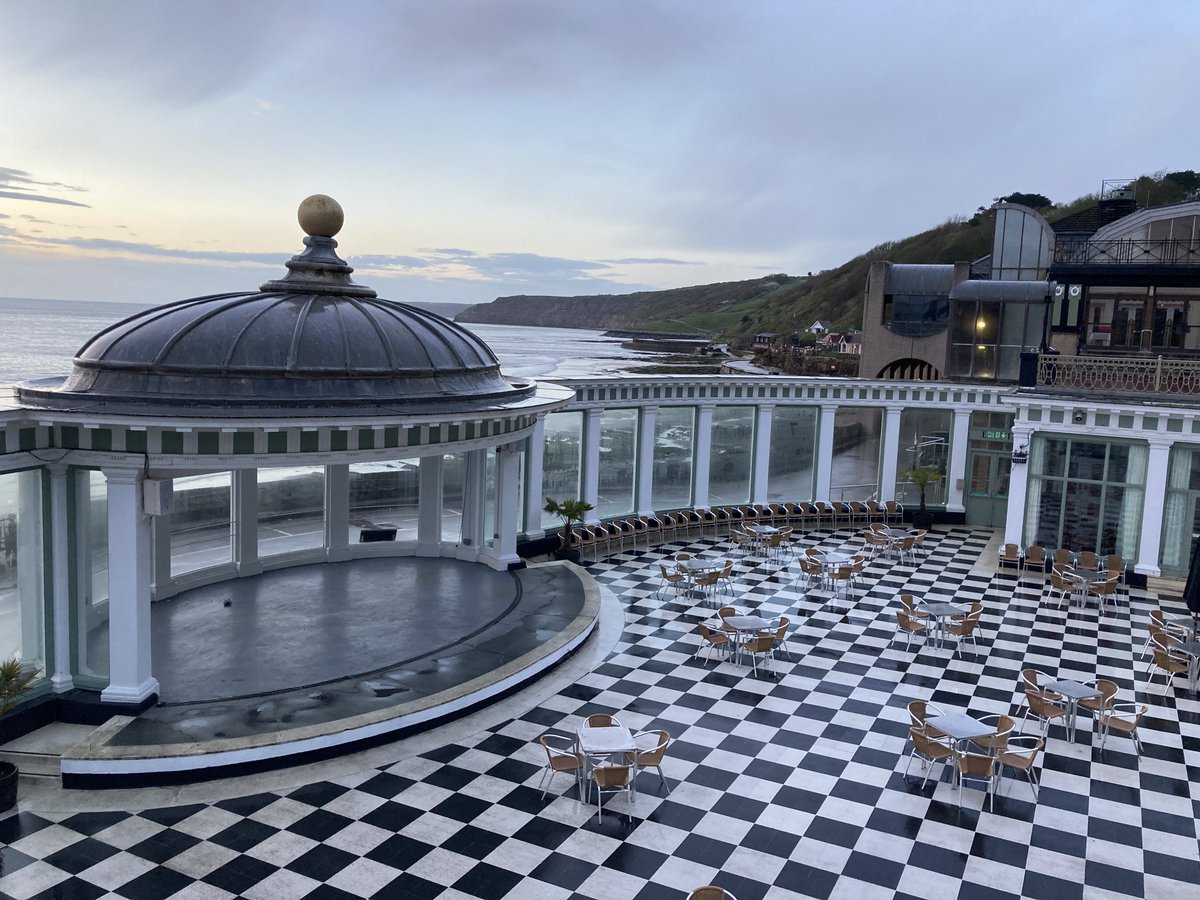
(1121, 374)
(1127, 253)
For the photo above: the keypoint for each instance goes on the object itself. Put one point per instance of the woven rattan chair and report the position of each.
(1125, 718)
(710, 892)
(561, 756)
(1020, 756)
(612, 780)
(670, 579)
(996, 742)
(601, 720)
(908, 626)
(929, 750)
(713, 640)
(1167, 659)
(977, 767)
(650, 752)
(760, 646)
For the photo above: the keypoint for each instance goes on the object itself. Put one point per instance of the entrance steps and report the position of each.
(39, 753)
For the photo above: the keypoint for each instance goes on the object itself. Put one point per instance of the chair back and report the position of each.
(560, 753)
(710, 892)
(997, 741)
(760, 644)
(926, 745)
(907, 622)
(1035, 555)
(976, 765)
(1010, 553)
(713, 637)
(1088, 560)
(726, 611)
(1062, 557)
(611, 776)
(654, 755)
(1022, 751)
(601, 720)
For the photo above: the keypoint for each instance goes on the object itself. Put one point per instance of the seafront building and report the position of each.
(220, 439)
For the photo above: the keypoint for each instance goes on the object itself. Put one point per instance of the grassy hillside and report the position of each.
(784, 303)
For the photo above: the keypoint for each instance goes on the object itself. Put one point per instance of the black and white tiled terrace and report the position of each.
(780, 788)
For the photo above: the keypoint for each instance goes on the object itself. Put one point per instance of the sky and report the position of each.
(152, 151)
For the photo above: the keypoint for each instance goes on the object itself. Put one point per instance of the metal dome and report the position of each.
(312, 339)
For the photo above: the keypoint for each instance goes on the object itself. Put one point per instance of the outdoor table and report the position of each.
(1073, 691)
(745, 625)
(759, 532)
(696, 566)
(833, 560)
(938, 612)
(959, 727)
(893, 535)
(607, 740)
(1083, 580)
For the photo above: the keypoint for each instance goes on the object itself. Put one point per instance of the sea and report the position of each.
(42, 336)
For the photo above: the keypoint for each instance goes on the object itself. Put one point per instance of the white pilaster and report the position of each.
(129, 665)
(429, 512)
(960, 440)
(591, 461)
(30, 566)
(337, 512)
(474, 478)
(889, 453)
(508, 463)
(1152, 507)
(535, 458)
(59, 663)
(762, 453)
(824, 461)
(245, 522)
(1018, 492)
(703, 455)
(647, 423)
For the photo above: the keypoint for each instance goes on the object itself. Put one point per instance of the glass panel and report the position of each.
(560, 469)
(454, 479)
(201, 529)
(618, 462)
(1049, 515)
(961, 358)
(1055, 457)
(924, 444)
(1087, 460)
(291, 510)
(1003, 475)
(1012, 324)
(987, 322)
(22, 596)
(489, 497)
(981, 474)
(962, 324)
(1118, 462)
(793, 447)
(674, 440)
(983, 361)
(729, 469)
(1081, 514)
(855, 469)
(1009, 364)
(1110, 520)
(91, 510)
(384, 494)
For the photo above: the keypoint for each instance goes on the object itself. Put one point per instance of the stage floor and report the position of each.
(314, 644)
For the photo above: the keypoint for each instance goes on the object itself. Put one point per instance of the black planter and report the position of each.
(8, 786)
(570, 554)
(922, 519)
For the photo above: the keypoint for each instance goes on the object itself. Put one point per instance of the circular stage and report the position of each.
(317, 660)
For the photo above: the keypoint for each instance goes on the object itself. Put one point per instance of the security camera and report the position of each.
(1079, 417)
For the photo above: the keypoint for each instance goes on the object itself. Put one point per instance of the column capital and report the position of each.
(123, 476)
(57, 469)
(1161, 441)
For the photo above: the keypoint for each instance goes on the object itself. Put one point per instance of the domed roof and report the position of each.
(311, 339)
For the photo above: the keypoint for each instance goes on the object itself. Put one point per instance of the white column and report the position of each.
(647, 422)
(508, 461)
(762, 453)
(960, 440)
(245, 522)
(429, 510)
(703, 455)
(337, 512)
(30, 563)
(129, 671)
(474, 478)
(591, 461)
(824, 460)
(1018, 483)
(1153, 500)
(891, 450)
(59, 665)
(535, 458)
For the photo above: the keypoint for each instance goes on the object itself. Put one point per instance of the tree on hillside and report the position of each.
(1033, 201)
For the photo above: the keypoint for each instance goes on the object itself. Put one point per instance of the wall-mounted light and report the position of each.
(1020, 456)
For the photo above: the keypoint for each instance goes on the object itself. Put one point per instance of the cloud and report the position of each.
(17, 184)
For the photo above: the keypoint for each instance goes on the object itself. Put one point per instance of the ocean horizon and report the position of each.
(45, 334)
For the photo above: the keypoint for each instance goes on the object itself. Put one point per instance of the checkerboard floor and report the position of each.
(780, 787)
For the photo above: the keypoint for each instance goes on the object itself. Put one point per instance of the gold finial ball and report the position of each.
(320, 216)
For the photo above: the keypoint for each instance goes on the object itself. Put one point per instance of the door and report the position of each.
(986, 498)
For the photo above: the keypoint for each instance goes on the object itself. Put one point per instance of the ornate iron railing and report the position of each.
(1124, 374)
(1127, 253)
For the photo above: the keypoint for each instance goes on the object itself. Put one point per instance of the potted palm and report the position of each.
(14, 678)
(922, 478)
(570, 511)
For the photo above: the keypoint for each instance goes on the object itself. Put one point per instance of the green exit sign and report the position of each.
(997, 435)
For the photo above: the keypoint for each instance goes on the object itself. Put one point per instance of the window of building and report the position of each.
(732, 455)
(291, 510)
(916, 315)
(561, 465)
(674, 440)
(201, 522)
(987, 337)
(924, 444)
(22, 593)
(855, 466)
(384, 494)
(618, 462)
(1085, 494)
(793, 449)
